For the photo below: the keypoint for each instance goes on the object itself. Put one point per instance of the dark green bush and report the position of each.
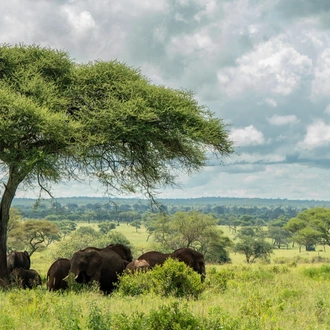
(134, 284)
(173, 278)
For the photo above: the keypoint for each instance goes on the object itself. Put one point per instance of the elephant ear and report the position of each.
(94, 264)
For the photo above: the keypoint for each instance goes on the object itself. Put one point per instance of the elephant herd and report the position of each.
(101, 265)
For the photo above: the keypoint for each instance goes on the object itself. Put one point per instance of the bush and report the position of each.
(173, 317)
(134, 284)
(176, 279)
(173, 278)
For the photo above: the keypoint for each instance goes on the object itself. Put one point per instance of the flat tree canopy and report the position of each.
(62, 120)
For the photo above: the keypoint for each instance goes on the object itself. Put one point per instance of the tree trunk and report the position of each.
(5, 204)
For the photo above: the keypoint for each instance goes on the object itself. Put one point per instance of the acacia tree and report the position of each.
(195, 230)
(311, 227)
(62, 120)
(32, 235)
(253, 248)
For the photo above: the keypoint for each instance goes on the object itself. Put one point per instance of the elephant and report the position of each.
(25, 278)
(101, 265)
(154, 258)
(18, 259)
(123, 250)
(191, 258)
(137, 266)
(58, 270)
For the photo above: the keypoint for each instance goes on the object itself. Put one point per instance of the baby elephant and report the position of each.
(25, 278)
(137, 266)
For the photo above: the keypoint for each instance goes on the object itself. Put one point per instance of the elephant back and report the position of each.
(111, 260)
(154, 258)
(123, 250)
(18, 259)
(191, 258)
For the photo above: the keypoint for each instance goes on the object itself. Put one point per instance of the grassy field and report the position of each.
(289, 293)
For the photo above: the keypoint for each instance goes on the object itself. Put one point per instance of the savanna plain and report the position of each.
(291, 291)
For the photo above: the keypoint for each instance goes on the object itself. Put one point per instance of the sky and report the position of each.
(263, 66)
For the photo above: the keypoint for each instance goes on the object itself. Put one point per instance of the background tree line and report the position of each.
(129, 210)
(175, 227)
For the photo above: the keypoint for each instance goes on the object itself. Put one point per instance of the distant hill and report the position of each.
(214, 201)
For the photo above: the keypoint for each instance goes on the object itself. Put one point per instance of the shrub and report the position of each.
(173, 317)
(134, 284)
(173, 278)
(176, 279)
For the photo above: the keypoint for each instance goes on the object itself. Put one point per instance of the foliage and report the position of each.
(149, 222)
(307, 237)
(86, 236)
(78, 209)
(136, 224)
(280, 235)
(135, 284)
(253, 248)
(105, 227)
(176, 279)
(173, 278)
(14, 219)
(112, 237)
(217, 252)
(32, 235)
(66, 227)
(192, 229)
(55, 117)
(311, 226)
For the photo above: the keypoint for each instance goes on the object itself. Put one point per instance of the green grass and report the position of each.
(291, 292)
(254, 297)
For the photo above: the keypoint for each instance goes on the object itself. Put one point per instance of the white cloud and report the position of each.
(80, 21)
(273, 66)
(246, 136)
(282, 120)
(190, 44)
(321, 82)
(318, 134)
(271, 102)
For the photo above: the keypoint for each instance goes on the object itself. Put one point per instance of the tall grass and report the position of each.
(289, 293)
(236, 297)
